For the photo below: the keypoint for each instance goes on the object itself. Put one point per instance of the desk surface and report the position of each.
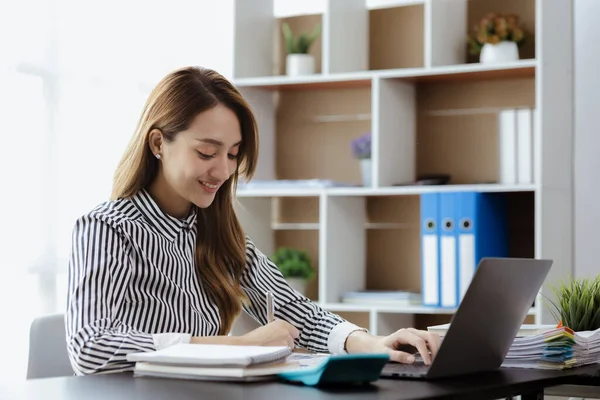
(493, 385)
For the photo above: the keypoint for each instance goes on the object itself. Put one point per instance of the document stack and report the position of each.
(558, 348)
(547, 347)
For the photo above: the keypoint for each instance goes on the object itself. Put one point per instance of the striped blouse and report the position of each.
(132, 288)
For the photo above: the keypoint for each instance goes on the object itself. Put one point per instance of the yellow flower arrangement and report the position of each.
(494, 28)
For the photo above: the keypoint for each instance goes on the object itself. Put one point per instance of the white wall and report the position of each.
(73, 81)
(587, 138)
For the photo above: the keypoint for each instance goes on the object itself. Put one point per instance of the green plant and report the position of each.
(301, 44)
(494, 28)
(293, 263)
(577, 304)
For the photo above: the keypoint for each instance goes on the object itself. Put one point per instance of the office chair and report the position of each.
(48, 348)
(48, 355)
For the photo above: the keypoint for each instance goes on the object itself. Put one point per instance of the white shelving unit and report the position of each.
(429, 108)
(465, 71)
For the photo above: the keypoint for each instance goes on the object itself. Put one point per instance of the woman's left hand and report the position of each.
(426, 343)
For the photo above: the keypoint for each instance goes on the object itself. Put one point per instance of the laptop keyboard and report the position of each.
(414, 369)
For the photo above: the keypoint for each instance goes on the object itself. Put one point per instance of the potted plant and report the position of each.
(577, 304)
(361, 149)
(295, 266)
(298, 61)
(496, 38)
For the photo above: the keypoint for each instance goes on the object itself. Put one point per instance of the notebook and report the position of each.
(251, 373)
(213, 355)
(256, 372)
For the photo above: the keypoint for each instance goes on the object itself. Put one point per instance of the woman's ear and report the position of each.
(155, 141)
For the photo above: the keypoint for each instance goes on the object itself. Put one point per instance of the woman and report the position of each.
(166, 261)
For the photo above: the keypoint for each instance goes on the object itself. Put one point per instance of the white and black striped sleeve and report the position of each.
(320, 330)
(98, 278)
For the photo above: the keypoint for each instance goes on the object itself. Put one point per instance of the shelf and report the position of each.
(316, 81)
(395, 309)
(280, 192)
(341, 118)
(383, 191)
(415, 190)
(311, 226)
(461, 112)
(387, 225)
(474, 71)
(293, 226)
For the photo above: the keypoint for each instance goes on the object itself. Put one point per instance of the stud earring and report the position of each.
(157, 156)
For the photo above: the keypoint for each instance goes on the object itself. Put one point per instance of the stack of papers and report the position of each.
(548, 347)
(525, 330)
(221, 362)
(558, 348)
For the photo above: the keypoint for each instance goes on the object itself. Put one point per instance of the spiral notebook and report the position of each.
(213, 355)
(251, 373)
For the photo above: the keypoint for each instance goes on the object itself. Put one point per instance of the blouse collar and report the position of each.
(166, 224)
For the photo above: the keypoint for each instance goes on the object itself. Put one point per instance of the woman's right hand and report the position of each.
(276, 333)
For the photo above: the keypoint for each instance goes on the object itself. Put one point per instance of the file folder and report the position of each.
(448, 249)
(430, 244)
(507, 146)
(482, 232)
(525, 145)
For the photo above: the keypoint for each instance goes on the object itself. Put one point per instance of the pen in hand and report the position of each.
(275, 332)
(270, 307)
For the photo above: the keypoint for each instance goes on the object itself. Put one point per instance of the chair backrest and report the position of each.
(48, 355)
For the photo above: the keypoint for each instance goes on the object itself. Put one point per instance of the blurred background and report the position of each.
(74, 76)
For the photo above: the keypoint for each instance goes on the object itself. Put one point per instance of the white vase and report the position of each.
(300, 64)
(365, 169)
(298, 284)
(499, 53)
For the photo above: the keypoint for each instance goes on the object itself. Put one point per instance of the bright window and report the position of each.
(73, 79)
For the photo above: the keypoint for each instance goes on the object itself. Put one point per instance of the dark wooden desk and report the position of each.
(494, 385)
(587, 387)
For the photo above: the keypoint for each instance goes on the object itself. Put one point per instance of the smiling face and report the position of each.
(195, 165)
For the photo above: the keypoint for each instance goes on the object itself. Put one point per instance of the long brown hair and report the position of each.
(220, 245)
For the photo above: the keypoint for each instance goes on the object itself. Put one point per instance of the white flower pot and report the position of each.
(365, 169)
(300, 64)
(298, 284)
(499, 53)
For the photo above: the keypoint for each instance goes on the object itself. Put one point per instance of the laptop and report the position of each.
(486, 322)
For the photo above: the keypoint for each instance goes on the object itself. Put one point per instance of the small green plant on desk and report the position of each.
(295, 266)
(577, 304)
